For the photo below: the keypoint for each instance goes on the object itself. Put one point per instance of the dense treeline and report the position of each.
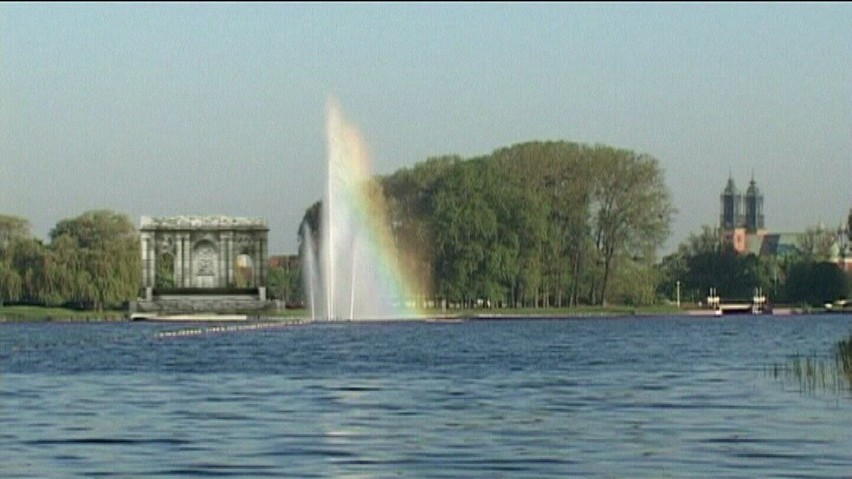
(533, 225)
(536, 224)
(91, 262)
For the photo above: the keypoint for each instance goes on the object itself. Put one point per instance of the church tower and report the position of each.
(744, 230)
(732, 201)
(753, 208)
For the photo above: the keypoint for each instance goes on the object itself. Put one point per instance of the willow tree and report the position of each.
(10, 282)
(105, 247)
(12, 229)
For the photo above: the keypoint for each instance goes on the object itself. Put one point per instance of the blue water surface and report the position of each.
(610, 397)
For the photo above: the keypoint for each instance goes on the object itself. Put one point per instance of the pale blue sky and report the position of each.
(168, 109)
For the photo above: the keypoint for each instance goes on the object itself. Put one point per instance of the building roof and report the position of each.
(780, 244)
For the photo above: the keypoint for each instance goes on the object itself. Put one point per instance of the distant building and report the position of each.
(743, 229)
(741, 223)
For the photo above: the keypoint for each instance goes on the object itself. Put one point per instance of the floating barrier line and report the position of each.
(179, 333)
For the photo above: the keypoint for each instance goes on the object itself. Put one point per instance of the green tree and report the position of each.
(107, 262)
(411, 211)
(10, 283)
(533, 224)
(285, 284)
(704, 261)
(816, 283)
(12, 228)
(816, 243)
(164, 276)
(632, 205)
(27, 258)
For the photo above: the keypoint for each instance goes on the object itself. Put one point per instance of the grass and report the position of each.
(565, 312)
(582, 311)
(41, 313)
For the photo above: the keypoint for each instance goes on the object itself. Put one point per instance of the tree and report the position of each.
(107, 263)
(704, 261)
(536, 223)
(633, 207)
(12, 228)
(285, 284)
(410, 197)
(816, 283)
(816, 243)
(10, 283)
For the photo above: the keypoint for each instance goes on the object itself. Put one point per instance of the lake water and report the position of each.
(632, 397)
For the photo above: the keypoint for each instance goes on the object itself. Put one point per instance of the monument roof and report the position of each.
(201, 222)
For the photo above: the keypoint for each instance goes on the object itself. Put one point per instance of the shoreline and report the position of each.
(27, 314)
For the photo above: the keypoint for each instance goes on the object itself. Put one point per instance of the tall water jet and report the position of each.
(357, 277)
(309, 261)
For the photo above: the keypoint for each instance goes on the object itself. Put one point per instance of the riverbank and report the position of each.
(45, 314)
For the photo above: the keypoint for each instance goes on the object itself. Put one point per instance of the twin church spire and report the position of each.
(741, 211)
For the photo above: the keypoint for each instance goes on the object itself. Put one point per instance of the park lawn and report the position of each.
(580, 311)
(42, 313)
(565, 312)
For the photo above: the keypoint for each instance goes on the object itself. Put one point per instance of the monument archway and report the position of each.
(203, 252)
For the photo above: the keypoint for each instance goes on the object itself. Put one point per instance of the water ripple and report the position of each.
(609, 398)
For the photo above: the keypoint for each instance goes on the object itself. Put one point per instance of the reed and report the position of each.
(812, 373)
(843, 358)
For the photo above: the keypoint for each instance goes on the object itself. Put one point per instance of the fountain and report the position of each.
(352, 273)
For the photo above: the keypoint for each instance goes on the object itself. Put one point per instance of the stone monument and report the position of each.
(203, 264)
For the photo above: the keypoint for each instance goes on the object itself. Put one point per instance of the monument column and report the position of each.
(152, 262)
(185, 272)
(222, 260)
(257, 266)
(264, 259)
(229, 268)
(146, 272)
(189, 282)
(178, 260)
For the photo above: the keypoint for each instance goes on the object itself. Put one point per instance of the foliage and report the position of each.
(816, 243)
(105, 246)
(12, 228)
(536, 224)
(633, 211)
(164, 276)
(285, 284)
(704, 261)
(92, 261)
(816, 283)
(12, 231)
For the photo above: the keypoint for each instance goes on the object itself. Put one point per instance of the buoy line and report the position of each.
(178, 333)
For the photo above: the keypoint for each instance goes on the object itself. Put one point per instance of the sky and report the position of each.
(219, 109)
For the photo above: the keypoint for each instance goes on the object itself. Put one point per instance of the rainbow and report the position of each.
(356, 273)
